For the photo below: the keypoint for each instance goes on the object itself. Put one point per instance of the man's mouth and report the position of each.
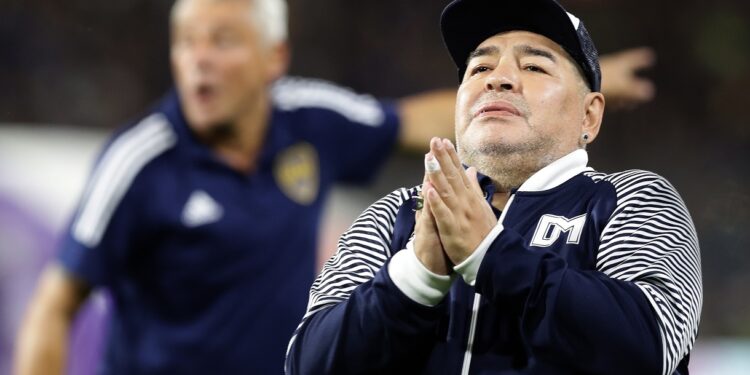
(204, 92)
(496, 108)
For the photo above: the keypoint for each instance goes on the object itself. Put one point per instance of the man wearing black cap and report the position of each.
(513, 256)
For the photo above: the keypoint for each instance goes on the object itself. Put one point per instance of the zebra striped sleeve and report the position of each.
(362, 250)
(650, 240)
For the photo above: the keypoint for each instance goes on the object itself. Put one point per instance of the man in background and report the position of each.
(202, 217)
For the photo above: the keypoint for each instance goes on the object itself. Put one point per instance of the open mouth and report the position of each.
(204, 92)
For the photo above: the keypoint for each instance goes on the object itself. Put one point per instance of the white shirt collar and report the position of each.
(558, 171)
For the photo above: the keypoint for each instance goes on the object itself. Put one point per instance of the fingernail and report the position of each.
(448, 143)
(437, 144)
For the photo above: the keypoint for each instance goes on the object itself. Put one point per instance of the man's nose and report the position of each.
(202, 56)
(504, 77)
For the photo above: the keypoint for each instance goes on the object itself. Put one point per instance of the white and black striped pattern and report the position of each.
(362, 250)
(115, 172)
(650, 240)
(292, 93)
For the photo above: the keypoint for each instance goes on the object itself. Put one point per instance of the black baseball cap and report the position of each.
(467, 23)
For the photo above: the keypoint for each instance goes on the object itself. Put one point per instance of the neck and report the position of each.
(507, 173)
(500, 199)
(241, 151)
(524, 173)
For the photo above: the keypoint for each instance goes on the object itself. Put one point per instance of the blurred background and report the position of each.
(71, 72)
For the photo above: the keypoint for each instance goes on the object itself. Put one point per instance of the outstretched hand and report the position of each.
(621, 85)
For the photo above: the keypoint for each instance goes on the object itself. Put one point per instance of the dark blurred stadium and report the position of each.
(72, 71)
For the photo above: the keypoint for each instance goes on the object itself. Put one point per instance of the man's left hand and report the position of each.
(462, 215)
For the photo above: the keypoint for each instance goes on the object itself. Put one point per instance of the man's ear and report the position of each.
(594, 113)
(279, 55)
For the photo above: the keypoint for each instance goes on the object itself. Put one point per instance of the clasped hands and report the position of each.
(455, 217)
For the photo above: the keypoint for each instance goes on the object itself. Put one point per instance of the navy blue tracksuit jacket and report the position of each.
(587, 273)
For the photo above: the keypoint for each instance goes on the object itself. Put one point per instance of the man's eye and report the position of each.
(534, 68)
(226, 40)
(182, 41)
(479, 69)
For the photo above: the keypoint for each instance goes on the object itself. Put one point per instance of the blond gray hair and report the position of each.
(268, 16)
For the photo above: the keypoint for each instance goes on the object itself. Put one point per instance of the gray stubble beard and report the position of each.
(509, 166)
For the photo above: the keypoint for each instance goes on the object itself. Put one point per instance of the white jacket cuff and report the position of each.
(415, 280)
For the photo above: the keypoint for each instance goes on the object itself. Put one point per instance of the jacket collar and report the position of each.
(558, 172)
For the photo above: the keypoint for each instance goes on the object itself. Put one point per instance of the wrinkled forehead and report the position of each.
(508, 40)
(529, 43)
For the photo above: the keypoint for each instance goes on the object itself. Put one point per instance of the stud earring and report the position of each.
(585, 137)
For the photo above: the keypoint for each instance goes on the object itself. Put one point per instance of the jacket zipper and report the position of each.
(475, 309)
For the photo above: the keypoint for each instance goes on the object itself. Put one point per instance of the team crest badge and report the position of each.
(296, 173)
(552, 227)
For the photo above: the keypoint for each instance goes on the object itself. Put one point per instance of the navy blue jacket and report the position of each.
(209, 268)
(587, 273)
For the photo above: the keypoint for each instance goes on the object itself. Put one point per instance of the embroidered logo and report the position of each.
(550, 228)
(201, 209)
(296, 173)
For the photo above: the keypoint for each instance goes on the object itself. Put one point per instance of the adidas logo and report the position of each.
(201, 209)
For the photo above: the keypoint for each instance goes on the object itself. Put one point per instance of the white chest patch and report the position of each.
(550, 228)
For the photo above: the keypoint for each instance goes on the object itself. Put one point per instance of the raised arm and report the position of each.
(424, 116)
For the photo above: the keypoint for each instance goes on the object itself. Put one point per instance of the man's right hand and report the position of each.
(427, 244)
(42, 343)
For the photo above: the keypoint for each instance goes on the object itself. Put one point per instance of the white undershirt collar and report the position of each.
(557, 172)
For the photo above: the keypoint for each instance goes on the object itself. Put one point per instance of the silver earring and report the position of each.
(585, 137)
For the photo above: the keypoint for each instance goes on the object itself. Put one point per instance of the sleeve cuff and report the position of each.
(415, 280)
(470, 266)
